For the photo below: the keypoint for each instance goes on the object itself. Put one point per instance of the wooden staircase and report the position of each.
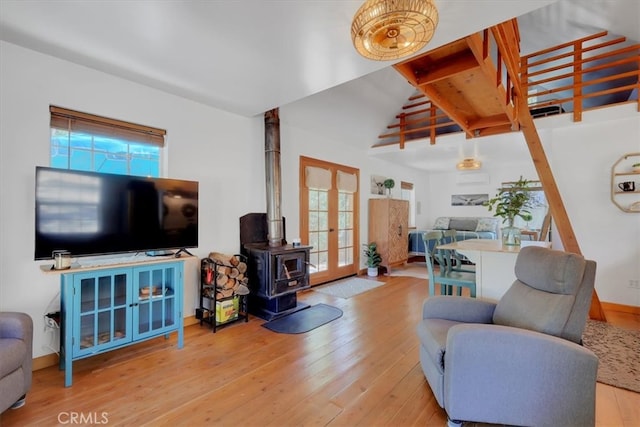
(479, 84)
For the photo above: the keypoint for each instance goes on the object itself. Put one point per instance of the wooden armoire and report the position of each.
(388, 228)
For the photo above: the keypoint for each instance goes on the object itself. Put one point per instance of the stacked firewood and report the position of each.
(228, 272)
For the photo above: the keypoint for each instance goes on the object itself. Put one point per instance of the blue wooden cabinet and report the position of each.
(114, 306)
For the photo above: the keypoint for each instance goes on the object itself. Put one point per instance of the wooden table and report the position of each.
(494, 262)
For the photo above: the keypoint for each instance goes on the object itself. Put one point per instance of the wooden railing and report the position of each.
(572, 70)
(557, 80)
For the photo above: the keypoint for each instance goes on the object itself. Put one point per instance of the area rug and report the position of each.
(347, 288)
(304, 320)
(619, 352)
(412, 269)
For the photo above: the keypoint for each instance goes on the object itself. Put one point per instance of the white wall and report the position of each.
(582, 156)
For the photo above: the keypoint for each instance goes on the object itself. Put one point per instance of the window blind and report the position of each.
(75, 121)
(347, 182)
(317, 178)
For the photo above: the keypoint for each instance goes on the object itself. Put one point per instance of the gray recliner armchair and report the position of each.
(16, 350)
(518, 361)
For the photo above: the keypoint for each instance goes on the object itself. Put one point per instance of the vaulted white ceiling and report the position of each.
(250, 56)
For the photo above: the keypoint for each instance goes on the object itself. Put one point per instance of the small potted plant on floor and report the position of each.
(512, 201)
(372, 258)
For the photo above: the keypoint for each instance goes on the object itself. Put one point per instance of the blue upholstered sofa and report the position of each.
(466, 228)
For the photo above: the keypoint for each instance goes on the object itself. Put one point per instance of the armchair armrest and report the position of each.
(16, 325)
(20, 326)
(468, 310)
(504, 375)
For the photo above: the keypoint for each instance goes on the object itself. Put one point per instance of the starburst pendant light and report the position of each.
(390, 29)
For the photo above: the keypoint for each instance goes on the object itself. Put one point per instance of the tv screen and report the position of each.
(88, 213)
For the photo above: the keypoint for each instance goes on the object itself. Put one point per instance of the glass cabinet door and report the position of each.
(102, 302)
(154, 289)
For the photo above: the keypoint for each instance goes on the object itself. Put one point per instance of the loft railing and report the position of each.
(578, 76)
(580, 71)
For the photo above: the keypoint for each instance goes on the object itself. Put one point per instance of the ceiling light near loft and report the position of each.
(469, 164)
(390, 29)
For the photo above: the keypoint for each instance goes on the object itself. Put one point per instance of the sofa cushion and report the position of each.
(12, 354)
(542, 297)
(528, 308)
(487, 224)
(463, 224)
(550, 271)
(441, 223)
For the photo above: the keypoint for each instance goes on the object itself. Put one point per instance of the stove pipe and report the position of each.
(273, 176)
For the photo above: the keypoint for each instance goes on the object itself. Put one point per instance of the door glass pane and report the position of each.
(144, 279)
(87, 295)
(345, 256)
(323, 221)
(104, 292)
(345, 229)
(313, 200)
(157, 316)
(157, 279)
(323, 241)
(168, 311)
(313, 221)
(120, 290)
(168, 281)
(323, 261)
(104, 327)
(119, 323)
(143, 317)
(314, 261)
(318, 229)
(87, 331)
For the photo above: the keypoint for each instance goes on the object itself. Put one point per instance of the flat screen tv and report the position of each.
(88, 213)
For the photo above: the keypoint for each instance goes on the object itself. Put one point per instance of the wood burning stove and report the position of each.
(276, 273)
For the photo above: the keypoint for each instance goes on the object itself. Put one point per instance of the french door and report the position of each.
(329, 212)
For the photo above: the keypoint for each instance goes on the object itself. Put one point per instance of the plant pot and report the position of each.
(511, 236)
(372, 271)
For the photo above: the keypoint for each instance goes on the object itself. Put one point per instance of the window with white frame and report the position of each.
(87, 142)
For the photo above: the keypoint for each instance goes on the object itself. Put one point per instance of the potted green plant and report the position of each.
(512, 201)
(636, 167)
(389, 184)
(372, 258)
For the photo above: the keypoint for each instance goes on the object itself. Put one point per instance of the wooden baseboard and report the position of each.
(45, 361)
(52, 359)
(610, 306)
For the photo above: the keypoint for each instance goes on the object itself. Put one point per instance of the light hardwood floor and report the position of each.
(361, 369)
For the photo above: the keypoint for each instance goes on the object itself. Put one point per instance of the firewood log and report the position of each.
(224, 269)
(231, 283)
(242, 267)
(223, 259)
(226, 293)
(221, 279)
